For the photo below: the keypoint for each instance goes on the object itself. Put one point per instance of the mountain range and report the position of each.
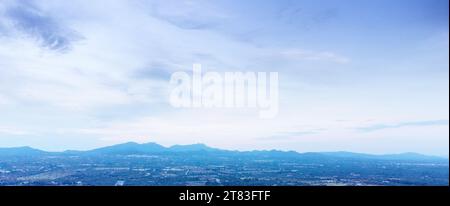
(132, 148)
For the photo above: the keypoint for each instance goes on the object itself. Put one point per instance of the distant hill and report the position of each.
(401, 156)
(129, 148)
(149, 148)
(132, 148)
(21, 151)
(189, 148)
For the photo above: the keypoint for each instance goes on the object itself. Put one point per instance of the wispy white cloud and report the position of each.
(297, 54)
(28, 20)
(13, 131)
(404, 124)
(4, 100)
(187, 14)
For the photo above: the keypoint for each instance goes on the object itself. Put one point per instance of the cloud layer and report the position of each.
(99, 72)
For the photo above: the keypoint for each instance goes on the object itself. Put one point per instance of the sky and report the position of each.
(354, 75)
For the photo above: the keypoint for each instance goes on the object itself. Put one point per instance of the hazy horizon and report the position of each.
(358, 76)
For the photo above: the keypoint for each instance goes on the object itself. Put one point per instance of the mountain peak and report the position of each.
(191, 147)
(20, 151)
(130, 148)
(150, 147)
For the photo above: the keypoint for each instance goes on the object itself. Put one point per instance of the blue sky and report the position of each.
(355, 75)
